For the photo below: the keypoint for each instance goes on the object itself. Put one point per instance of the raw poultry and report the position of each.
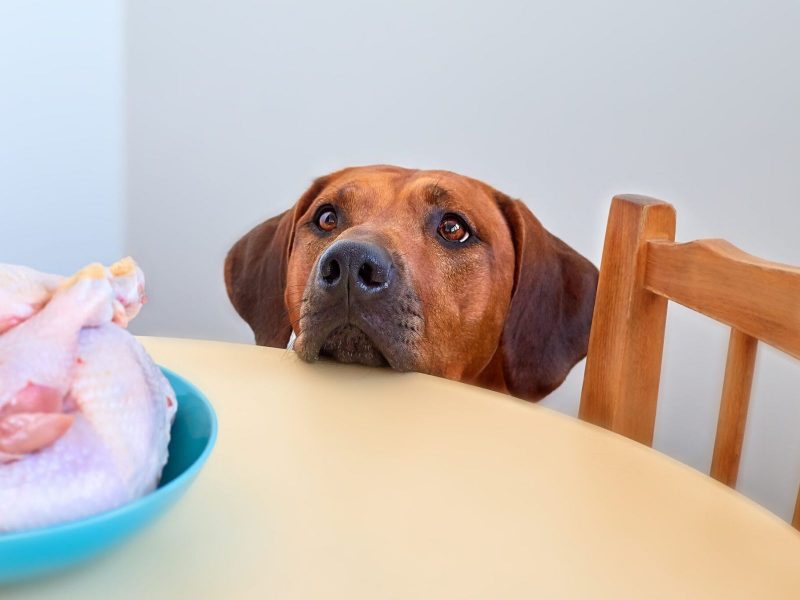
(85, 414)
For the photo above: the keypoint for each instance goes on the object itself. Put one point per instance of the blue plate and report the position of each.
(40, 551)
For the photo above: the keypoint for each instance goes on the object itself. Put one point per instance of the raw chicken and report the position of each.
(24, 291)
(85, 414)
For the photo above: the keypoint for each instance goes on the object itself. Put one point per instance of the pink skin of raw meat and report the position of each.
(37, 361)
(32, 420)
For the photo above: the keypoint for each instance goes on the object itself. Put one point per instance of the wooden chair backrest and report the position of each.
(642, 268)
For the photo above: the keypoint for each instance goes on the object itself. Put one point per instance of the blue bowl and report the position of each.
(39, 551)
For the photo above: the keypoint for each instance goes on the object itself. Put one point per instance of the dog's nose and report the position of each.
(367, 266)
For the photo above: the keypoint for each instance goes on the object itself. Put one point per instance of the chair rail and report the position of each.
(757, 297)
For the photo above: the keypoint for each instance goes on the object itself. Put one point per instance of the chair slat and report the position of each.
(620, 385)
(758, 297)
(733, 407)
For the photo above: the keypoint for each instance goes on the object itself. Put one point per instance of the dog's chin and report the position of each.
(349, 344)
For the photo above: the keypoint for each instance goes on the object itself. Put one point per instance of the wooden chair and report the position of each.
(642, 268)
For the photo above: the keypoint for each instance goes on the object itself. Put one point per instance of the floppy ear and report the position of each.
(255, 272)
(547, 327)
(255, 277)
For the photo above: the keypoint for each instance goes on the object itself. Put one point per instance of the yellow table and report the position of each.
(330, 481)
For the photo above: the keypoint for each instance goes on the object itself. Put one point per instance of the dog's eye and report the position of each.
(454, 229)
(327, 219)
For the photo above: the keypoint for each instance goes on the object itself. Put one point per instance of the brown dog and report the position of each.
(424, 271)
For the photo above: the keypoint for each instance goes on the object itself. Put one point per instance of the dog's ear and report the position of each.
(255, 272)
(547, 327)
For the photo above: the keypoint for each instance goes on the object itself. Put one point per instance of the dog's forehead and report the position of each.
(374, 189)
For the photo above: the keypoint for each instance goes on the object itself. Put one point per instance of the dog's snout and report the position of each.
(366, 267)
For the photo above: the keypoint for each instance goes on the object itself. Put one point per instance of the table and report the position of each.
(334, 481)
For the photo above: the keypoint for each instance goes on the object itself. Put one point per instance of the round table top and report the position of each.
(334, 481)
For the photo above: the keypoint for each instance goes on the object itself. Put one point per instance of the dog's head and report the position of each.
(424, 271)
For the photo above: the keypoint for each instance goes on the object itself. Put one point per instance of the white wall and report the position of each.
(233, 107)
(61, 125)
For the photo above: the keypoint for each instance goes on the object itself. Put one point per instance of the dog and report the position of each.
(426, 271)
